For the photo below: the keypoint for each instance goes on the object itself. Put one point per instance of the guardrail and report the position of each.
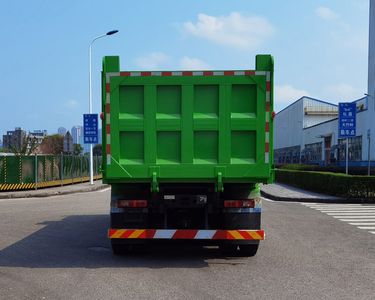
(40, 171)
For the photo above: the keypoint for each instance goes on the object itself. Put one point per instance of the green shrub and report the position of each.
(335, 184)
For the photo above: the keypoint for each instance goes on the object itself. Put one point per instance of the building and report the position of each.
(14, 140)
(61, 131)
(68, 143)
(37, 137)
(77, 134)
(100, 136)
(307, 130)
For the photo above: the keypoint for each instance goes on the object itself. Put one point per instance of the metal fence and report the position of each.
(38, 171)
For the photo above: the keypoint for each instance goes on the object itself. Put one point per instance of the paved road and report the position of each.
(56, 248)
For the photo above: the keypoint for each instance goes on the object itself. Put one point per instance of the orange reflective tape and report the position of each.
(136, 234)
(118, 233)
(236, 235)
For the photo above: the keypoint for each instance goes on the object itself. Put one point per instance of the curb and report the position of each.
(43, 194)
(317, 200)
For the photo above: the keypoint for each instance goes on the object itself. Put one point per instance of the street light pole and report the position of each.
(90, 99)
(369, 153)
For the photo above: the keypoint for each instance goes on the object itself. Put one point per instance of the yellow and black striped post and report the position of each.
(36, 171)
(5, 169)
(20, 169)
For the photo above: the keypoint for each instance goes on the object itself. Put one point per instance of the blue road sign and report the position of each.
(90, 128)
(347, 120)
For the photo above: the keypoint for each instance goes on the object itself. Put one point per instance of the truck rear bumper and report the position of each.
(186, 234)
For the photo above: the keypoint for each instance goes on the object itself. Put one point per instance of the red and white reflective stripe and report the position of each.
(268, 112)
(185, 73)
(108, 117)
(194, 234)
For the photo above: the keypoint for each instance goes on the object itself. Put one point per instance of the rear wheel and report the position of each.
(118, 249)
(122, 249)
(229, 250)
(249, 250)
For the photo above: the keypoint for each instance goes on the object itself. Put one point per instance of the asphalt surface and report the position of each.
(56, 248)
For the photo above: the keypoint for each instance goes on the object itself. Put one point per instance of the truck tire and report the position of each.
(122, 249)
(229, 249)
(249, 250)
(118, 249)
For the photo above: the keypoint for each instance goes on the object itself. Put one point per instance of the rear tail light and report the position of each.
(249, 203)
(131, 203)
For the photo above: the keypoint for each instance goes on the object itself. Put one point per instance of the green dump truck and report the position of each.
(185, 152)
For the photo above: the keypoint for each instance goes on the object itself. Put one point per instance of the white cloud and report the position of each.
(190, 63)
(152, 61)
(234, 30)
(287, 94)
(71, 104)
(326, 13)
(343, 92)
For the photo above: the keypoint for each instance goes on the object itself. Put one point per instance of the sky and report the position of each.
(320, 49)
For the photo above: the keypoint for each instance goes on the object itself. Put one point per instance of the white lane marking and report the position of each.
(349, 211)
(345, 208)
(338, 207)
(372, 217)
(268, 200)
(102, 191)
(358, 220)
(352, 214)
(360, 215)
(334, 205)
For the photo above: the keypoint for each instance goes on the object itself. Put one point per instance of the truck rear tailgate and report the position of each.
(187, 125)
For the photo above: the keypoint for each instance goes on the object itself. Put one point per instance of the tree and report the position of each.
(52, 144)
(97, 150)
(27, 146)
(77, 149)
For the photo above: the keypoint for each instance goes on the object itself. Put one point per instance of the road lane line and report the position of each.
(351, 213)
(357, 220)
(102, 191)
(348, 211)
(355, 217)
(268, 200)
(331, 205)
(359, 215)
(342, 207)
(347, 208)
(336, 205)
(366, 227)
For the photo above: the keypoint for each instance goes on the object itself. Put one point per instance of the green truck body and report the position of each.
(187, 127)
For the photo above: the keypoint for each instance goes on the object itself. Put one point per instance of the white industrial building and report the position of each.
(307, 130)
